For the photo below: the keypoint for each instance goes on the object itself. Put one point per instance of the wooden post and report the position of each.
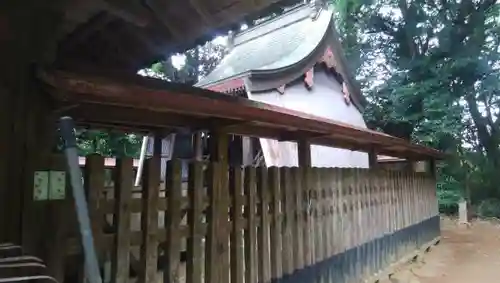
(198, 146)
(263, 231)
(304, 152)
(373, 159)
(94, 186)
(276, 206)
(149, 215)
(299, 212)
(250, 236)
(289, 250)
(173, 221)
(219, 146)
(120, 258)
(237, 257)
(217, 243)
(195, 218)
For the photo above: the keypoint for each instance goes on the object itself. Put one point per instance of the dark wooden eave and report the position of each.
(149, 104)
(129, 34)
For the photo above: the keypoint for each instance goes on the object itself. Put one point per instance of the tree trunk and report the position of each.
(486, 140)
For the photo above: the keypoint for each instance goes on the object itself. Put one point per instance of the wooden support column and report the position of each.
(219, 146)
(25, 110)
(373, 159)
(198, 146)
(432, 168)
(304, 151)
(149, 215)
(218, 230)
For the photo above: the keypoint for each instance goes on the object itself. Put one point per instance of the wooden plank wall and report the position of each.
(256, 225)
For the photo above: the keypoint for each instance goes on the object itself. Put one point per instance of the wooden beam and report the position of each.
(202, 11)
(157, 10)
(130, 11)
(159, 97)
(92, 26)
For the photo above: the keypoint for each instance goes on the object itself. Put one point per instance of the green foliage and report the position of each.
(488, 208)
(198, 62)
(108, 143)
(430, 70)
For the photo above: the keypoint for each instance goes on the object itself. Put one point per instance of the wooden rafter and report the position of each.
(96, 23)
(130, 11)
(199, 7)
(155, 8)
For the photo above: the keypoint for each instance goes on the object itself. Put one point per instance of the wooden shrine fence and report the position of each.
(229, 224)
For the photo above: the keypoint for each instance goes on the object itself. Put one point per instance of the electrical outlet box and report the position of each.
(41, 185)
(57, 183)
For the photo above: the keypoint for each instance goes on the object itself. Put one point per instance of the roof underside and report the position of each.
(129, 35)
(137, 103)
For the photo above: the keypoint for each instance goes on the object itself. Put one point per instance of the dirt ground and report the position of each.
(465, 255)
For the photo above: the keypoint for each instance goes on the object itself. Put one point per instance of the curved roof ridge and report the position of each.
(275, 47)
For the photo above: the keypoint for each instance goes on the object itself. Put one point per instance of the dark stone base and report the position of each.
(367, 259)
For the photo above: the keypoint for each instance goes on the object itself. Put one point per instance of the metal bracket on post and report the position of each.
(57, 185)
(41, 186)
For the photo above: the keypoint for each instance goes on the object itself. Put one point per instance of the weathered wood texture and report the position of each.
(257, 224)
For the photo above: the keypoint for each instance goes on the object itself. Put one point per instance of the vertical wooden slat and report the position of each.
(250, 236)
(223, 236)
(336, 231)
(376, 219)
(370, 218)
(299, 211)
(305, 190)
(263, 237)
(149, 220)
(351, 217)
(94, 186)
(401, 206)
(237, 256)
(339, 229)
(386, 215)
(328, 220)
(120, 259)
(365, 230)
(217, 245)
(288, 248)
(171, 273)
(276, 223)
(358, 214)
(318, 227)
(212, 260)
(391, 186)
(194, 272)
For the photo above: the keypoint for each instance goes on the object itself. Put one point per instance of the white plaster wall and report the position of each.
(325, 100)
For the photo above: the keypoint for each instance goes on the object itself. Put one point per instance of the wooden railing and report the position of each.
(232, 224)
